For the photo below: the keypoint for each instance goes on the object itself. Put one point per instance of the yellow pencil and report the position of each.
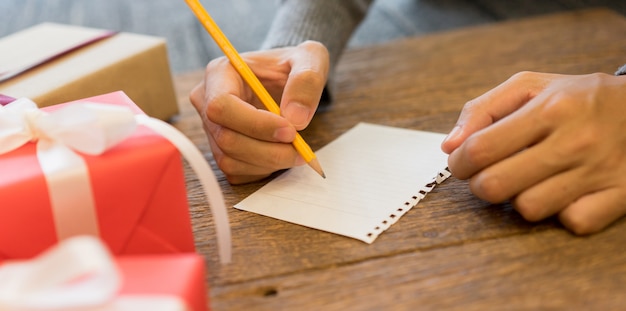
(246, 73)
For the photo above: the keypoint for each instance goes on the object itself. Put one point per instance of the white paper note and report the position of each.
(374, 175)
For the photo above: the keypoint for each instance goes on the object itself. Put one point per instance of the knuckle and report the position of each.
(613, 164)
(572, 148)
(196, 98)
(476, 152)
(222, 162)
(236, 179)
(524, 76)
(314, 45)
(227, 166)
(471, 105)
(558, 106)
(309, 76)
(528, 207)
(578, 224)
(598, 77)
(488, 187)
(320, 64)
(280, 158)
(529, 81)
(232, 179)
(215, 107)
(215, 63)
(224, 139)
(584, 142)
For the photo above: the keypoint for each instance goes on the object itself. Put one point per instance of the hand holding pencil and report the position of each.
(249, 142)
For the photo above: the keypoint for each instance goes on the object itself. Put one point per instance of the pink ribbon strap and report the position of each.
(78, 274)
(4, 100)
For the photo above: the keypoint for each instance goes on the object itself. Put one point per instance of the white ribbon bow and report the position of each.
(78, 274)
(92, 128)
(84, 127)
(88, 128)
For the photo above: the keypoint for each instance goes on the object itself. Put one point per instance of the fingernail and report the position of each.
(297, 113)
(285, 134)
(453, 134)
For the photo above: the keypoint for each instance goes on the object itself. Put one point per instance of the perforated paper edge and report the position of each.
(396, 214)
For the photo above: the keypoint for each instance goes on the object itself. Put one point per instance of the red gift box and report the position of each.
(80, 274)
(178, 275)
(138, 189)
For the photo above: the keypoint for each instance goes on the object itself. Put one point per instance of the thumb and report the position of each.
(303, 90)
(494, 105)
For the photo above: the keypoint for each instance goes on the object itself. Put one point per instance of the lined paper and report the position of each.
(375, 174)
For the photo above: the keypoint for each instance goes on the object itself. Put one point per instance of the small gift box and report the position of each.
(79, 274)
(101, 167)
(55, 63)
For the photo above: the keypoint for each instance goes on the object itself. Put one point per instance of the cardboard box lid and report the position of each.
(33, 46)
(136, 64)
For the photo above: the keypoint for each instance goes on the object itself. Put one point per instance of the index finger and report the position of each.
(494, 105)
(228, 102)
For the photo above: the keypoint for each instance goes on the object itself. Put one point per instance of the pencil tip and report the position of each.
(317, 167)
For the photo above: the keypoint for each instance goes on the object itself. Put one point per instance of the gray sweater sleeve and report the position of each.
(330, 22)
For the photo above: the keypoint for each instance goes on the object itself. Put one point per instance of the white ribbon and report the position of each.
(92, 128)
(78, 274)
(88, 128)
(206, 177)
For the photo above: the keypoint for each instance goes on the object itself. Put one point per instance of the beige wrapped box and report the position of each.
(135, 64)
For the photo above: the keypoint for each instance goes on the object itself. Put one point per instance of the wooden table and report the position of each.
(451, 251)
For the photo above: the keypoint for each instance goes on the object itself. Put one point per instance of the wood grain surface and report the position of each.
(451, 251)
